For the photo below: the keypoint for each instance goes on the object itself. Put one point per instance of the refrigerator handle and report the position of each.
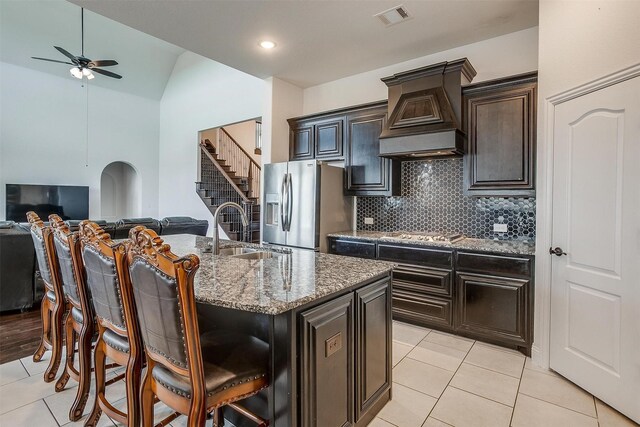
(283, 187)
(289, 202)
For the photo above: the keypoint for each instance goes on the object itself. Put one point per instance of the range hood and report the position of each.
(425, 111)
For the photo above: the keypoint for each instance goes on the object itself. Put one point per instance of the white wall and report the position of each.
(43, 134)
(200, 94)
(579, 41)
(506, 55)
(283, 101)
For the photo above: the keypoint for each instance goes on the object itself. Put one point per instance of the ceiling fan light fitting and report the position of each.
(76, 72)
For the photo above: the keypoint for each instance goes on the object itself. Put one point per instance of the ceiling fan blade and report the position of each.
(52, 60)
(106, 73)
(102, 63)
(67, 54)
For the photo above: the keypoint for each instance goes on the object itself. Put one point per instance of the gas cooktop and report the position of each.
(426, 236)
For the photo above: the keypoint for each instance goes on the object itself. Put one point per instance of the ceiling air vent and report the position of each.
(393, 16)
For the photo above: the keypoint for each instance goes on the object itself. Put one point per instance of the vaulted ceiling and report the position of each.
(317, 40)
(33, 27)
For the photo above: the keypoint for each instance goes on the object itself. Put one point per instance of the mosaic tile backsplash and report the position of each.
(432, 200)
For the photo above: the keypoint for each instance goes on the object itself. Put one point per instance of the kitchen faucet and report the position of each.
(216, 237)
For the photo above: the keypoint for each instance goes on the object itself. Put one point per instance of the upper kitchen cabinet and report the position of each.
(320, 137)
(500, 120)
(366, 173)
(351, 134)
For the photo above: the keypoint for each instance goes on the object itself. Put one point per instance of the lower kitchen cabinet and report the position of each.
(345, 358)
(327, 364)
(479, 295)
(422, 309)
(373, 344)
(494, 308)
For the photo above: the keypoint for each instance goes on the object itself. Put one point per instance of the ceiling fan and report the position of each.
(83, 66)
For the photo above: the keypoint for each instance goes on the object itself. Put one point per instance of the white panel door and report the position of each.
(595, 290)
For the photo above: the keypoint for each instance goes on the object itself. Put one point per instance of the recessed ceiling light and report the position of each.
(267, 44)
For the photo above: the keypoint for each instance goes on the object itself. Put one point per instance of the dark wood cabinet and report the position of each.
(373, 344)
(494, 308)
(352, 248)
(301, 143)
(486, 296)
(500, 121)
(366, 173)
(345, 357)
(353, 135)
(328, 139)
(327, 364)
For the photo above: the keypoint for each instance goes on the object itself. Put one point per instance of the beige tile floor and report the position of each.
(445, 380)
(439, 380)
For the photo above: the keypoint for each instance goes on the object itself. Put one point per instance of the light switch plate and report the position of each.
(500, 228)
(368, 221)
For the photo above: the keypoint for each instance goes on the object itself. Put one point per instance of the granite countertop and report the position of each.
(274, 285)
(514, 247)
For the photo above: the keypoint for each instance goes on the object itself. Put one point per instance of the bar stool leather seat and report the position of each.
(115, 341)
(228, 359)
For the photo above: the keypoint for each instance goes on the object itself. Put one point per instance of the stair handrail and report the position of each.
(228, 149)
(203, 147)
(242, 149)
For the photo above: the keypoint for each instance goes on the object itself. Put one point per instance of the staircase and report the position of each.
(229, 174)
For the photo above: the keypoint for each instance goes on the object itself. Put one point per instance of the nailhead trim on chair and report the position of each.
(188, 396)
(94, 251)
(184, 341)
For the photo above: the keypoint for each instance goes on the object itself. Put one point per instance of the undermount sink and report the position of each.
(248, 253)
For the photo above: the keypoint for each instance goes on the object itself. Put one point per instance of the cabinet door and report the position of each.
(368, 174)
(301, 143)
(351, 248)
(501, 127)
(326, 389)
(329, 139)
(373, 344)
(492, 307)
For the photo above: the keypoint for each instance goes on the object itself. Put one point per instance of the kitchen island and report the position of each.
(326, 318)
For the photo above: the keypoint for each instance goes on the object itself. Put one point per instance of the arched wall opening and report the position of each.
(120, 190)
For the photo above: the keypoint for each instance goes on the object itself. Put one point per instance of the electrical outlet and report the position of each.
(368, 221)
(500, 228)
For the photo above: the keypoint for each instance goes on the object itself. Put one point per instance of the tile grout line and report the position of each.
(515, 402)
(448, 384)
(50, 412)
(484, 397)
(559, 406)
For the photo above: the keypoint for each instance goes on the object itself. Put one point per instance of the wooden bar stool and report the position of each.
(107, 277)
(193, 375)
(79, 324)
(53, 303)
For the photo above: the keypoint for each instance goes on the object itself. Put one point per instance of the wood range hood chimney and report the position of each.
(425, 111)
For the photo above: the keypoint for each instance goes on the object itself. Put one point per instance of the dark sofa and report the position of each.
(20, 283)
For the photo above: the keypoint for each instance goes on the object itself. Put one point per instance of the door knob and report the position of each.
(557, 251)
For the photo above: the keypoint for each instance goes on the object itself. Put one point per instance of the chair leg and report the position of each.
(57, 324)
(147, 399)
(46, 328)
(70, 341)
(84, 382)
(99, 368)
(132, 378)
(197, 414)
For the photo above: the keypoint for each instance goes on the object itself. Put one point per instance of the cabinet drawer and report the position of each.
(422, 309)
(351, 248)
(421, 279)
(417, 256)
(494, 264)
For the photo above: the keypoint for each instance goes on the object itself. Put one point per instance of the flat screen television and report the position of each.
(68, 201)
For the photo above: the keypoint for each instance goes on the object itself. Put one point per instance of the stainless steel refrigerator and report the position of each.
(303, 202)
